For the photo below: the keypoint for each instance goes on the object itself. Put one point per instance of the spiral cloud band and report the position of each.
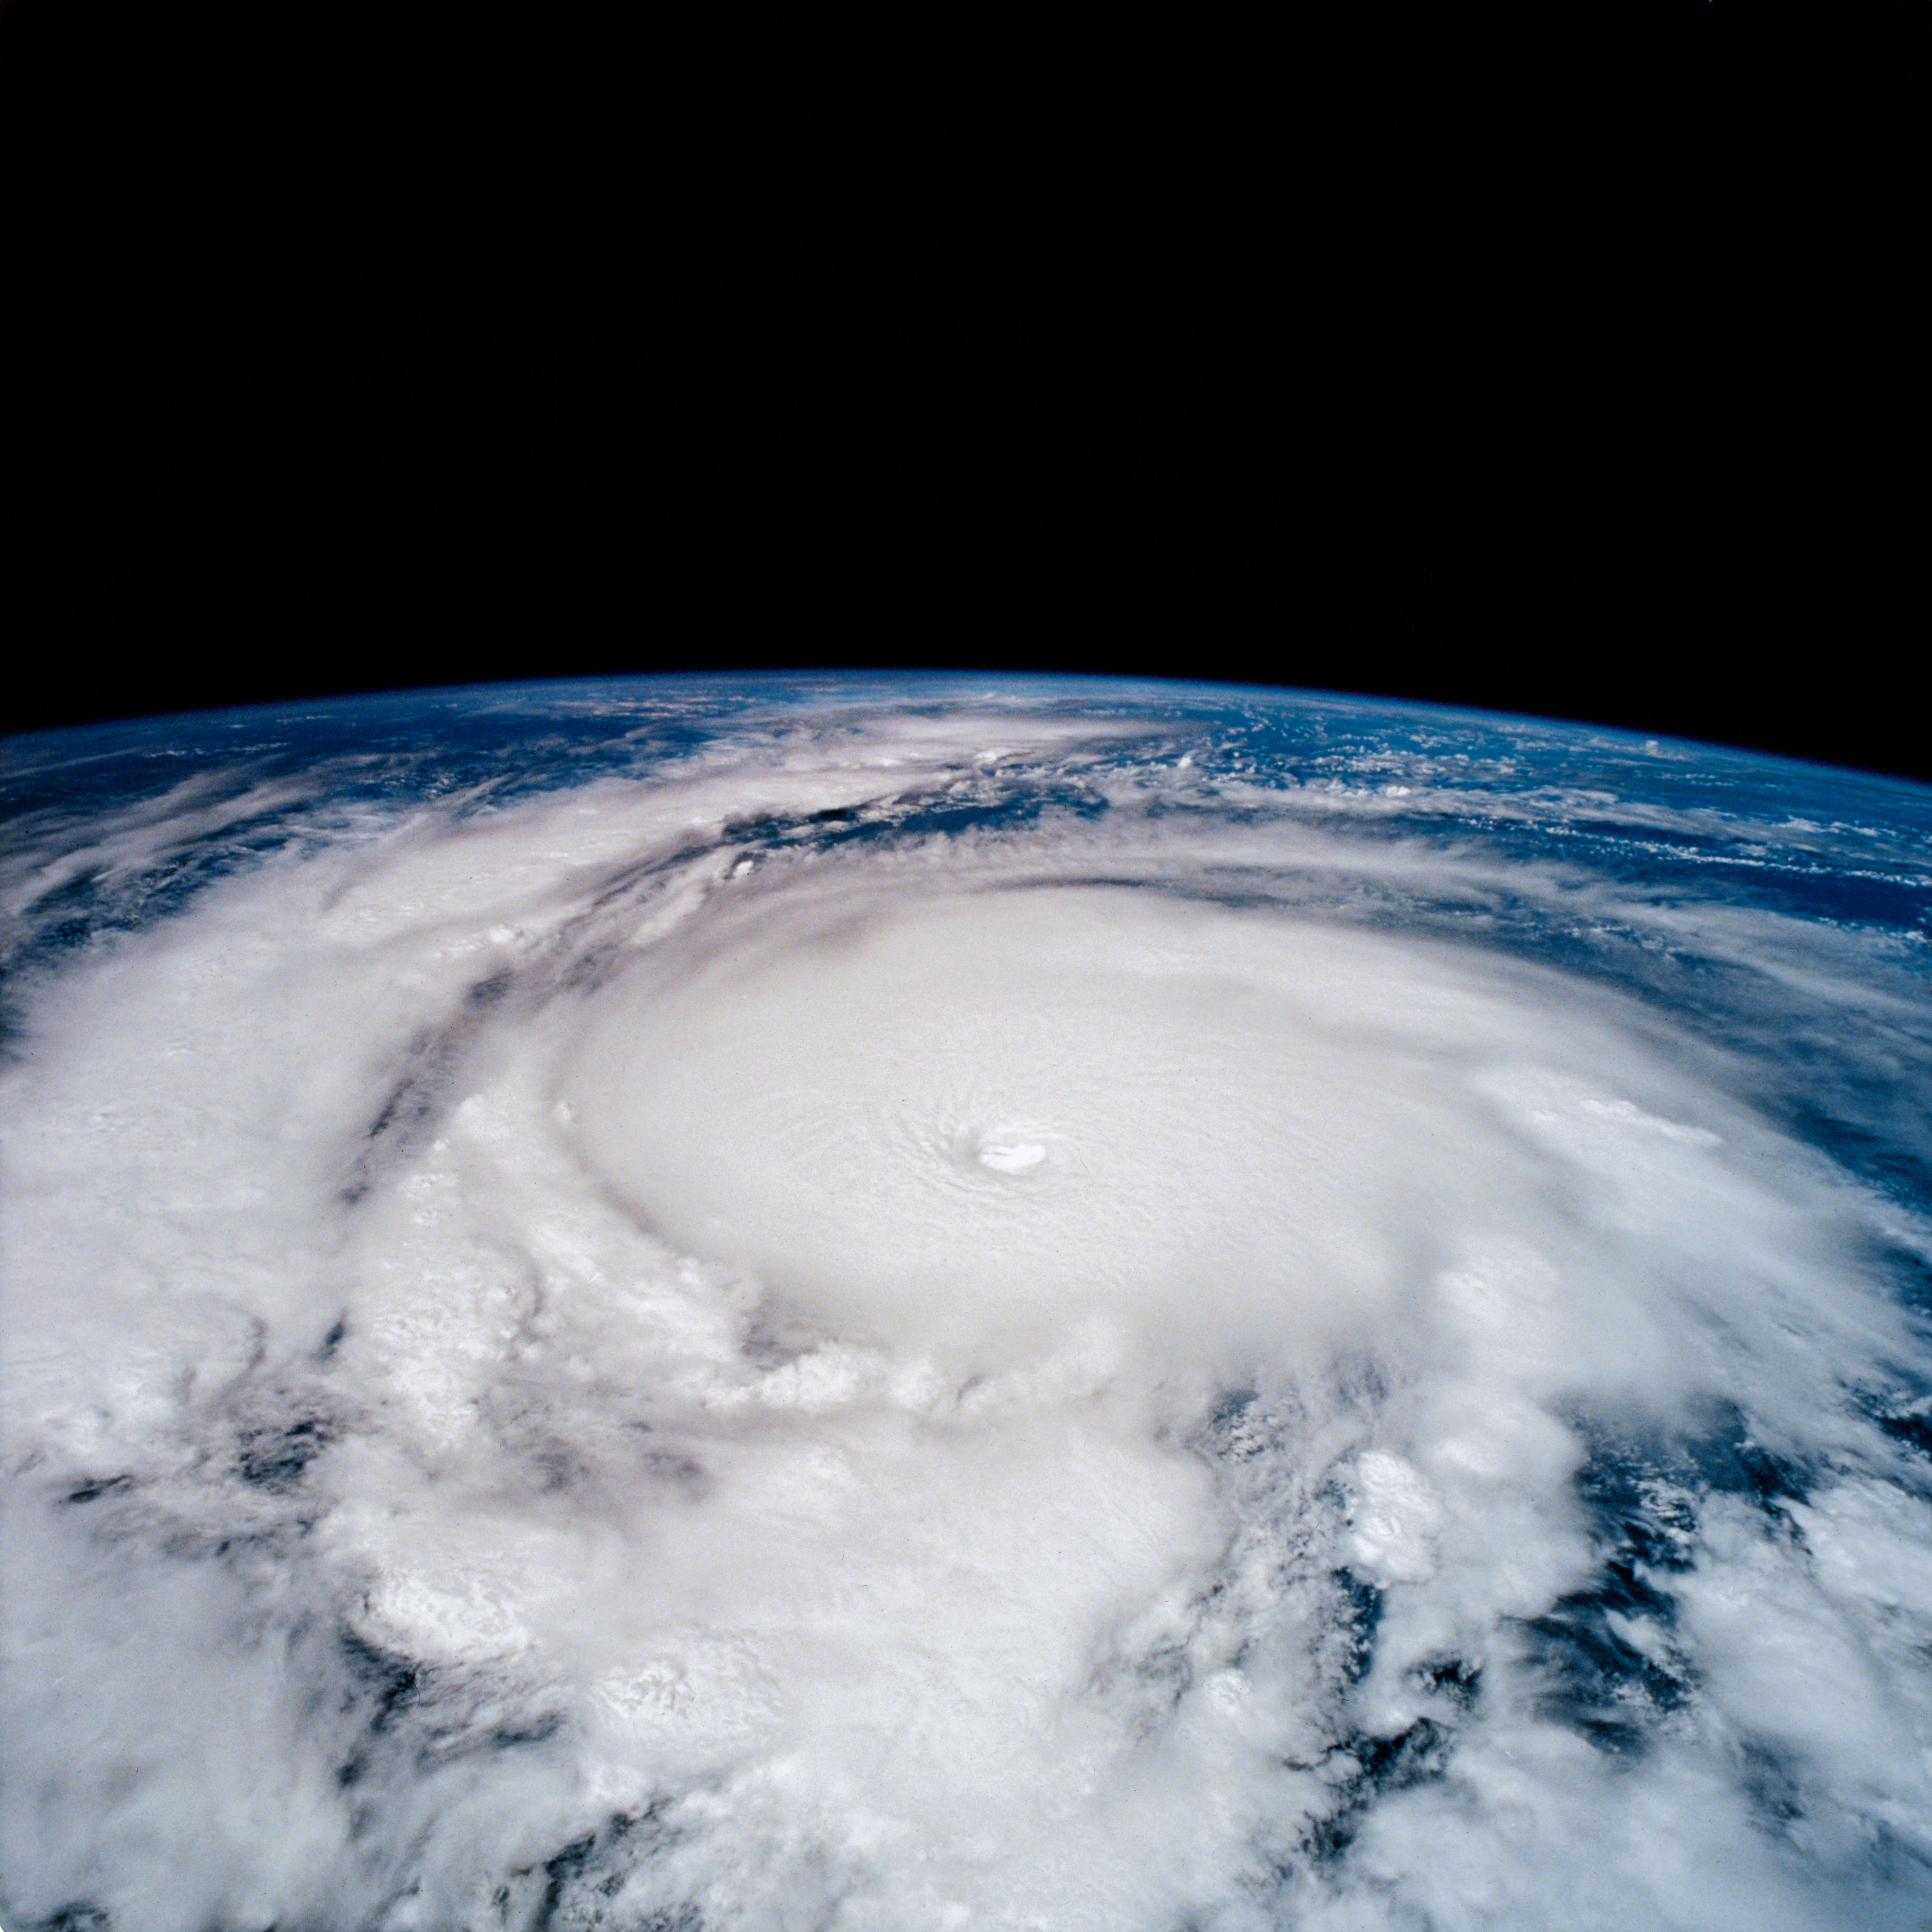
(962, 1306)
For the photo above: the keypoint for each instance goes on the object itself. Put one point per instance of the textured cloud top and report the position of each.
(900, 1304)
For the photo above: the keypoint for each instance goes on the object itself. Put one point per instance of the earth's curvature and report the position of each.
(898, 1304)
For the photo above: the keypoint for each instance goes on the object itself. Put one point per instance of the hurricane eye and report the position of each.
(1006, 1153)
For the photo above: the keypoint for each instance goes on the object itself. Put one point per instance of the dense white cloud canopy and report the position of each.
(883, 1306)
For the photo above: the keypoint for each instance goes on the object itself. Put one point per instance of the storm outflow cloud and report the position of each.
(1014, 1311)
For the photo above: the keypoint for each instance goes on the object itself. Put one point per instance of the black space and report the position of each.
(1577, 378)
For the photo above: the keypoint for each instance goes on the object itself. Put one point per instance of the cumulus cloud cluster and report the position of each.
(717, 1345)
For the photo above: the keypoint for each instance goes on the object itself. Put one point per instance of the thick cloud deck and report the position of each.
(967, 1122)
(918, 1306)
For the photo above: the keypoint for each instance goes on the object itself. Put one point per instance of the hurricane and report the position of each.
(899, 1303)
